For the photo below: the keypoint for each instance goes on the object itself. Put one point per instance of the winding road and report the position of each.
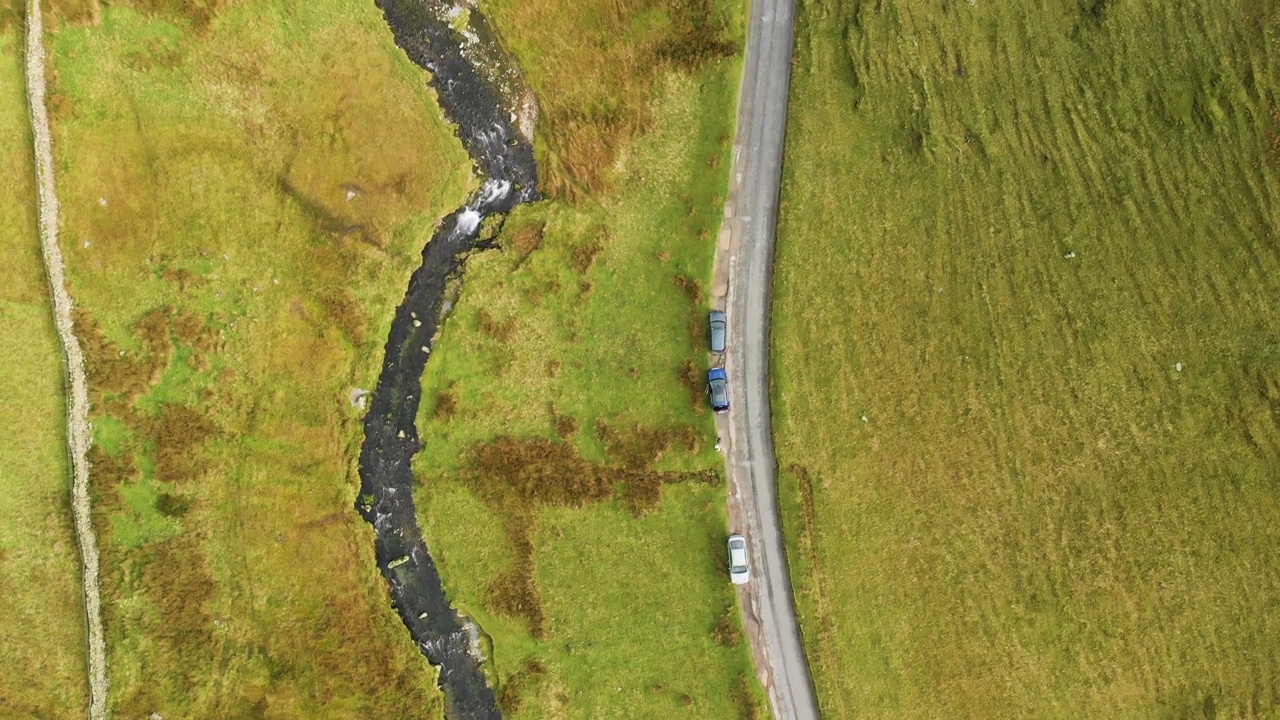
(743, 281)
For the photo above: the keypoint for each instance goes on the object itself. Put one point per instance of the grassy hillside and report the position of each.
(42, 642)
(246, 188)
(1028, 358)
(570, 492)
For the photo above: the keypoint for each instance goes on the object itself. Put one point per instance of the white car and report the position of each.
(738, 571)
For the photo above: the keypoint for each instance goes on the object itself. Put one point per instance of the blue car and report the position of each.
(718, 388)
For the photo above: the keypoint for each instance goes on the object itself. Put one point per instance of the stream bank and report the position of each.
(483, 113)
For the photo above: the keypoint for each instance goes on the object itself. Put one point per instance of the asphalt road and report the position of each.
(743, 282)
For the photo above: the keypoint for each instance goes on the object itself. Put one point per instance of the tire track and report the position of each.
(78, 435)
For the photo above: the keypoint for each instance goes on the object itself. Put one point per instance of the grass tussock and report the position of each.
(491, 327)
(691, 287)
(1026, 358)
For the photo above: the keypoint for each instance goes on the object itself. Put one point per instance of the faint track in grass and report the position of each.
(78, 434)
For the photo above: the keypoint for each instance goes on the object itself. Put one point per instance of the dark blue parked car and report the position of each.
(718, 388)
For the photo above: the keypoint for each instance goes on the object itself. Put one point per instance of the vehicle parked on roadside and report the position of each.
(738, 571)
(718, 388)
(719, 324)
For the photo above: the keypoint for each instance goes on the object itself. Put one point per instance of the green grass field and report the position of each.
(42, 641)
(246, 188)
(571, 494)
(1027, 356)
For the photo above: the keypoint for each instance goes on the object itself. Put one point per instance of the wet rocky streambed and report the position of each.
(478, 89)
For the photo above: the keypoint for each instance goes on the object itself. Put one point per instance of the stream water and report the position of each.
(482, 102)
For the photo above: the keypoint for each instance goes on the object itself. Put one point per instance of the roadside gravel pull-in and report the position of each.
(78, 435)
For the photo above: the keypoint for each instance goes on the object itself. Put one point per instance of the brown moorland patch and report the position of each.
(446, 405)
(179, 432)
(112, 369)
(584, 255)
(519, 684)
(527, 239)
(514, 476)
(594, 91)
(691, 376)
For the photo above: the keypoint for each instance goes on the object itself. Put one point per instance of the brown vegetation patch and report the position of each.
(494, 329)
(807, 511)
(527, 239)
(697, 331)
(520, 684)
(637, 447)
(198, 13)
(691, 288)
(691, 377)
(446, 405)
(584, 255)
(195, 333)
(110, 368)
(57, 13)
(12, 16)
(106, 474)
(183, 278)
(608, 102)
(177, 582)
(726, 632)
(113, 370)
(178, 434)
(514, 592)
(566, 426)
(698, 37)
(744, 700)
(346, 623)
(173, 506)
(534, 469)
(345, 314)
(643, 489)
(583, 145)
(513, 476)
